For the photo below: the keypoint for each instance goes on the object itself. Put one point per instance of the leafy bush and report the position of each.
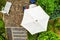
(2, 4)
(1, 23)
(56, 13)
(1, 38)
(52, 7)
(2, 27)
(49, 35)
(50, 26)
(57, 24)
(32, 37)
(47, 5)
(2, 30)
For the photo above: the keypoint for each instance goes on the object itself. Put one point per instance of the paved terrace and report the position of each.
(14, 18)
(15, 14)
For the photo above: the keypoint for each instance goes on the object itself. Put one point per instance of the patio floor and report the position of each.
(16, 13)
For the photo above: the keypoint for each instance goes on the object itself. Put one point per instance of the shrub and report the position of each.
(49, 35)
(57, 24)
(56, 13)
(52, 7)
(47, 5)
(1, 38)
(2, 4)
(32, 37)
(2, 28)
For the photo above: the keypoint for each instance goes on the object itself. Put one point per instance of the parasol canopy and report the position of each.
(35, 20)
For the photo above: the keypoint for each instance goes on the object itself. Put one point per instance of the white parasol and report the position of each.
(35, 20)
